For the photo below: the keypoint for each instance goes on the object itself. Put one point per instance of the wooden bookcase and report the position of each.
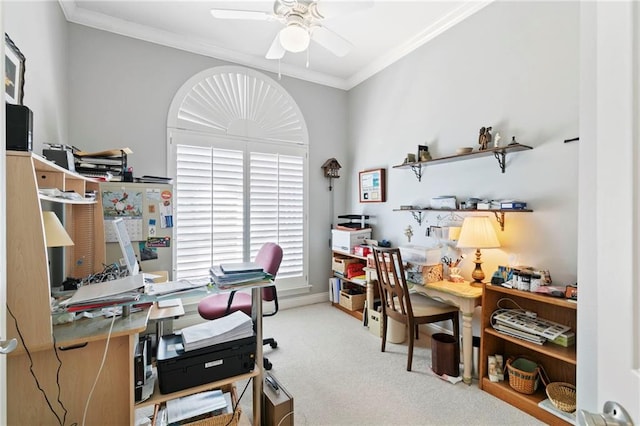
(558, 362)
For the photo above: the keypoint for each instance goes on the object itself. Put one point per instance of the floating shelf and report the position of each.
(499, 153)
(499, 214)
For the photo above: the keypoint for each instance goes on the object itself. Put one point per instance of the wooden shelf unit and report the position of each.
(558, 362)
(499, 214)
(359, 313)
(499, 153)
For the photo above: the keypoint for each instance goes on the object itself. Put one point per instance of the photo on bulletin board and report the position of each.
(372, 186)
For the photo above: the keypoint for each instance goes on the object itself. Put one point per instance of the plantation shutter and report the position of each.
(230, 201)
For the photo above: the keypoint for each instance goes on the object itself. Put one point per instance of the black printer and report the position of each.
(178, 370)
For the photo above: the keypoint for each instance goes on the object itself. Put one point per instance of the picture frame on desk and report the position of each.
(372, 186)
(13, 72)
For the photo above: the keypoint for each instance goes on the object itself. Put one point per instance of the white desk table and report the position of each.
(465, 298)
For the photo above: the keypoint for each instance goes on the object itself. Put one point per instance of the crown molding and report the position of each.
(199, 46)
(454, 17)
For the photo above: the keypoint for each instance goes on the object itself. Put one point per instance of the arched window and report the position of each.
(238, 149)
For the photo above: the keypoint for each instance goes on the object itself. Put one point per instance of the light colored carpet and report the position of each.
(334, 369)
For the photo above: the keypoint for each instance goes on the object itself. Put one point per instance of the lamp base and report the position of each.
(477, 284)
(478, 273)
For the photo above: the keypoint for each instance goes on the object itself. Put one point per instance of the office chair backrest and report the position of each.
(392, 285)
(269, 257)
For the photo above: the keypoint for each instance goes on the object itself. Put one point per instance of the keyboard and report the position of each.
(536, 326)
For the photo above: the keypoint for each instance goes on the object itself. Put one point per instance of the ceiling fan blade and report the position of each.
(276, 51)
(242, 14)
(331, 8)
(331, 41)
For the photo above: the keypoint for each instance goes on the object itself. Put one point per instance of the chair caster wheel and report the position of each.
(267, 365)
(274, 345)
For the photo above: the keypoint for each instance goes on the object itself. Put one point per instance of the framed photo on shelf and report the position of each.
(372, 186)
(13, 72)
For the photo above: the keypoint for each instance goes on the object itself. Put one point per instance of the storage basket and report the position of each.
(525, 374)
(230, 419)
(562, 395)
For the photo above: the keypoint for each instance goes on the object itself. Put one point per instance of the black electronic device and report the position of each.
(140, 360)
(19, 128)
(62, 157)
(179, 369)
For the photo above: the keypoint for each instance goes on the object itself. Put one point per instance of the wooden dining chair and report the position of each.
(407, 308)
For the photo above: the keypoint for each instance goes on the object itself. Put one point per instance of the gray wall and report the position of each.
(514, 66)
(40, 31)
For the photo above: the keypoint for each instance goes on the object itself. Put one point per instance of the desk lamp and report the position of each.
(477, 232)
(54, 233)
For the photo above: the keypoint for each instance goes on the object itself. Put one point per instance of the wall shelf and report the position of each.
(499, 214)
(499, 153)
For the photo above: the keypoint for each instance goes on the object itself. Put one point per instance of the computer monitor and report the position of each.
(129, 255)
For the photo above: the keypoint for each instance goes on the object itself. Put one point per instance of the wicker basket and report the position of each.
(231, 419)
(524, 374)
(562, 396)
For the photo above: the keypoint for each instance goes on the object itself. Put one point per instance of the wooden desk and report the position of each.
(81, 347)
(465, 298)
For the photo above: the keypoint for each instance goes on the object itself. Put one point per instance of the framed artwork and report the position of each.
(372, 186)
(13, 72)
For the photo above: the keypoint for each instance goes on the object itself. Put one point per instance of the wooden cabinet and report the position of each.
(559, 362)
(67, 367)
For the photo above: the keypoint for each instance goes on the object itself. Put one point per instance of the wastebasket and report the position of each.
(396, 331)
(445, 355)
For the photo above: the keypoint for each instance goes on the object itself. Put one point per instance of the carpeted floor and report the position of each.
(334, 369)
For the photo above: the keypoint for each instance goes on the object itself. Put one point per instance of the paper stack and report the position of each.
(210, 402)
(237, 325)
(230, 275)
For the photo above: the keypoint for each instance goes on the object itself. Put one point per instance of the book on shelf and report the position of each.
(513, 205)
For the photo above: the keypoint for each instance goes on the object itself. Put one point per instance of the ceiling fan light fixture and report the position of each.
(294, 38)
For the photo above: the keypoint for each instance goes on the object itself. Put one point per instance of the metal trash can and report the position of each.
(445, 355)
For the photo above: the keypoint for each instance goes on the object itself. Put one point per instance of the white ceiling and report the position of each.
(381, 34)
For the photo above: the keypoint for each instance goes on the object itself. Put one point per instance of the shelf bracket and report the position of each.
(417, 170)
(500, 156)
(418, 217)
(500, 219)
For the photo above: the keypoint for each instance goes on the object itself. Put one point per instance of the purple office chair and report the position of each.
(219, 305)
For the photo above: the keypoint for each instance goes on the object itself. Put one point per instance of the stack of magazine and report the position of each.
(230, 275)
(525, 326)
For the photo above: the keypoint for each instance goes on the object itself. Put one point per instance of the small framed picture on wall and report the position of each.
(372, 186)
(13, 72)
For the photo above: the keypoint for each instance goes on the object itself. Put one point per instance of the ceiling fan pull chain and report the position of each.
(279, 74)
(308, 49)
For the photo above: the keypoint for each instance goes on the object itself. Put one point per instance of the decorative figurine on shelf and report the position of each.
(496, 140)
(513, 141)
(488, 135)
(482, 139)
(485, 137)
(408, 232)
(423, 153)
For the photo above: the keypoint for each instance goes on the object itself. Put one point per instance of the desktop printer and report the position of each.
(179, 369)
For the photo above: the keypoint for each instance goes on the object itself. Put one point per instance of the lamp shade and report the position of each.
(477, 232)
(54, 233)
(454, 233)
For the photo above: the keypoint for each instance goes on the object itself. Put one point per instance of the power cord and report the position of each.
(237, 404)
(46, 398)
(104, 357)
(55, 351)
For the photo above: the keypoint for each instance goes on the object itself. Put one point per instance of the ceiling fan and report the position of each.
(302, 20)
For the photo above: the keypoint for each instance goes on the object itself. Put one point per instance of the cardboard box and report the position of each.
(352, 302)
(345, 241)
